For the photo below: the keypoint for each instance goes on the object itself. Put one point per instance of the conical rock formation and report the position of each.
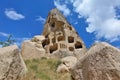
(58, 39)
(60, 35)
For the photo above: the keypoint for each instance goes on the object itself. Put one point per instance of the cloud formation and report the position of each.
(100, 16)
(41, 19)
(12, 14)
(4, 34)
(62, 7)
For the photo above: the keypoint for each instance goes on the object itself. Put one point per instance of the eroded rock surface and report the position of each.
(12, 66)
(66, 64)
(101, 62)
(59, 39)
(60, 35)
(32, 49)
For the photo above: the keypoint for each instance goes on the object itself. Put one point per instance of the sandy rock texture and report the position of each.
(12, 66)
(101, 62)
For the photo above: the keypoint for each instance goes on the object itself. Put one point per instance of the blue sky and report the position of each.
(94, 20)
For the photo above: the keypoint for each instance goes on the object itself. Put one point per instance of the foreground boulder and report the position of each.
(66, 64)
(69, 61)
(12, 66)
(101, 62)
(62, 69)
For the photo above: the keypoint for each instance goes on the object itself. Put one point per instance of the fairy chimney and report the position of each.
(60, 35)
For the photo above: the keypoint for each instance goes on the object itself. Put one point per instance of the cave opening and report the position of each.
(53, 48)
(70, 39)
(71, 48)
(53, 25)
(61, 38)
(45, 42)
(78, 45)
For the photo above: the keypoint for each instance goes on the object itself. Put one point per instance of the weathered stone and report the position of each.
(37, 38)
(32, 50)
(69, 61)
(59, 39)
(101, 62)
(61, 54)
(59, 32)
(62, 69)
(12, 66)
(66, 64)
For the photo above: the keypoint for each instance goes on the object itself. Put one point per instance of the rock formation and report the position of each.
(60, 35)
(66, 64)
(33, 48)
(60, 39)
(101, 62)
(62, 69)
(12, 66)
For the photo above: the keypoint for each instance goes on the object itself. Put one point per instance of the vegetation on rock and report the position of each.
(8, 42)
(44, 69)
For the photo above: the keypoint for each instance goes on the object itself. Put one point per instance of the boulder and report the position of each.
(69, 61)
(12, 66)
(66, 64)
(32, 50)
(38, 38)
(62, 69)
(101, 62)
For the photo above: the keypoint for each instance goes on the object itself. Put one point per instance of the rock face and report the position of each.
(69, 61)
(58, 39)
(33, 48)
(12, 66)
(101, 62)
(62, 69)
(60, 35)
(66, 64)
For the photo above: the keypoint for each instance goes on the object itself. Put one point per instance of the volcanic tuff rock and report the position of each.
(69, 61)
(60, 35)
(59, 38)
(12, 66)
(33, 48)
(62, 69)
(101, 62)
(66, 64)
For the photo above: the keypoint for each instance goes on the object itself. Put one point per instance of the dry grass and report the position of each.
(44, 69)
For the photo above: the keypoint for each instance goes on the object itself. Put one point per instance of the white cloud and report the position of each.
(62, 7)
(12, 14)
(4, 34)
(41, 19)
(97, 41)
(76, 23)
(79, 16)
(118, 16)
(100, 16)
